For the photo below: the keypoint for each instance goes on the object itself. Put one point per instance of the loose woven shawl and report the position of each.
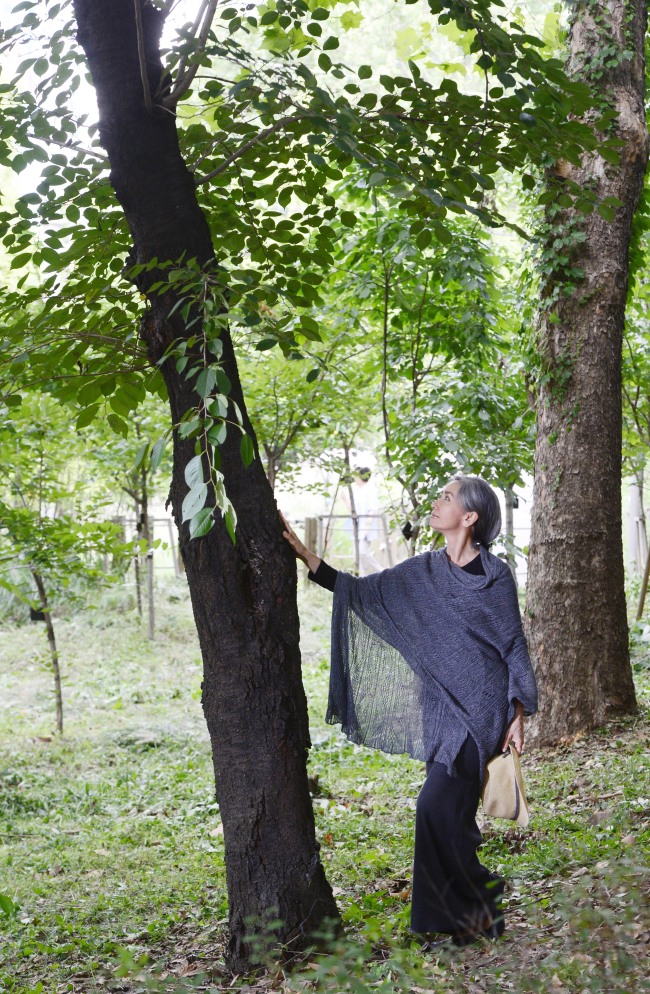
(424, 653)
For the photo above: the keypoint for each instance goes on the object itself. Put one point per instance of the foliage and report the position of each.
(112, 853)
(273, 122)
(438, 325)
(434, 326)
(48, 524)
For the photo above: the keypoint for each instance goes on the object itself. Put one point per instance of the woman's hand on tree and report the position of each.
(309, 558)
(515, 733)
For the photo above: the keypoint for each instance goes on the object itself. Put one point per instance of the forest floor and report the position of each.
(111, 848)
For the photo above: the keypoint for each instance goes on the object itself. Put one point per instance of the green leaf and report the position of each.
(443, 234)
(218, 406)
(194, 500)
(205, 382)
(247, 450)
(140, 457)
(606, 212)
(7, 905)
(223, 382)
(119, 426)
(351, 19)
(231, 524)
(218, 433)
(19, 261)
(202, 522)
(189, 428)
(194, 471)
(364, 72)
(313, 374)
(86, 416)
(157, 454)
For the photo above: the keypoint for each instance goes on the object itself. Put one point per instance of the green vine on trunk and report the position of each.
(198, 359)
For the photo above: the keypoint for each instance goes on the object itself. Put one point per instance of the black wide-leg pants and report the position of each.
(452, 891)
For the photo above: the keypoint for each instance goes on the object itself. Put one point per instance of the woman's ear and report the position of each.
(470, 519)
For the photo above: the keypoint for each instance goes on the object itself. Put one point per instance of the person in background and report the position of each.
(429, 658)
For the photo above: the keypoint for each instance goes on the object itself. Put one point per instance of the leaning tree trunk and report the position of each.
(576, 600)
(54, 652)
(243, 596)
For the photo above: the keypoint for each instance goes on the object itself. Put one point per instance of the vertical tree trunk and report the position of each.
(136, 560)
(269, 453)
(636, 529)
(576, 600)
(243, 596)
(54, 652)
(510, 531)
(353, 513)
(151, 607)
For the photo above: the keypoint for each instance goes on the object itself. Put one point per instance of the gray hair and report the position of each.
(474, 494)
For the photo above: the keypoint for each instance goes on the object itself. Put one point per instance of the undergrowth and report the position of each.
(111, 850)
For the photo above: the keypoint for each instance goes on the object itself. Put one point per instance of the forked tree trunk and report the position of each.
(576, 600)
(243, 596)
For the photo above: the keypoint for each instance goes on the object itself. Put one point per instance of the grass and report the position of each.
(111, 852)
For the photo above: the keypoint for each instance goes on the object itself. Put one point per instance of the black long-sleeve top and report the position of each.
(325, 575)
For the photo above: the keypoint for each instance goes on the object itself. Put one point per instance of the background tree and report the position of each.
(50, 533)
(134, 463)
(575, 595)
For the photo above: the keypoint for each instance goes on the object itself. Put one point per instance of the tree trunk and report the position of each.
(353, 512)
(270, 465)
(136, 560)
(636, 529)
(243, 596)
(510, 531)
(54, 652)
(576, 600)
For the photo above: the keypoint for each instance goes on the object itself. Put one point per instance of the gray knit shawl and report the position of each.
(424, 653)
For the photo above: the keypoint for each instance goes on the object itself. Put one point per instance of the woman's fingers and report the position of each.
(515, 734)
(292, 538)
(288, 532)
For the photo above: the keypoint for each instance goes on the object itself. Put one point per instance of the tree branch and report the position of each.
(262, 136)
(74, 145)
(148, 102)
(184, 79)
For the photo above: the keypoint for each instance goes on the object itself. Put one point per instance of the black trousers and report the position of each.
(452, 891)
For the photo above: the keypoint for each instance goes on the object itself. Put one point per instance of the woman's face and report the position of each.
(447, 515)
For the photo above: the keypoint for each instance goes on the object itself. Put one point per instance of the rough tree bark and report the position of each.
(243, 596)
(575, 600)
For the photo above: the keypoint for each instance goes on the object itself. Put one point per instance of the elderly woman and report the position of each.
(429, 658)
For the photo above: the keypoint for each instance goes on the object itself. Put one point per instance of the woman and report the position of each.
(430, 658)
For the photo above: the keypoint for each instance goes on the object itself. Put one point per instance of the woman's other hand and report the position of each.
(515, 733)
(309, 558)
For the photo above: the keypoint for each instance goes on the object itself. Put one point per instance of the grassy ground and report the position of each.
(111, 852)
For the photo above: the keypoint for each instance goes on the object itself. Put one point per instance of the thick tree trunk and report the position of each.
(54, 652)
(576, 601)
(243, 596)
